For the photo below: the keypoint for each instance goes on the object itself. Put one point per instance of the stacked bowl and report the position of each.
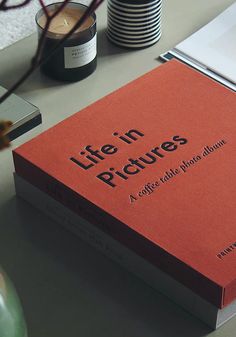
(134, 23)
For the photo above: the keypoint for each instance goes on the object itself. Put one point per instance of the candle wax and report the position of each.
(65, 21)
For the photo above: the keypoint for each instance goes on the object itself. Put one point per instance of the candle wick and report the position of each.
(65, 22)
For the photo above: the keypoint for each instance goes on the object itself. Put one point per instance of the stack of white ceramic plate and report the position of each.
(134, 23)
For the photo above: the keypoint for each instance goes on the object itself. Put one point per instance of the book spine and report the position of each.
(154, 254)
(229, 293)
(117, 252)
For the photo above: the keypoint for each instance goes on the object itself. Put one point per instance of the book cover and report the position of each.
(153, 166)
(24, 115)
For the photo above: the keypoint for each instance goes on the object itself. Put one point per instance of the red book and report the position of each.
(153, 165)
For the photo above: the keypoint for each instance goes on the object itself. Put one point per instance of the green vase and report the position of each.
(12, 323)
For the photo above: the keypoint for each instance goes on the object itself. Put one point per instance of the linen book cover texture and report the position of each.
(153, 165)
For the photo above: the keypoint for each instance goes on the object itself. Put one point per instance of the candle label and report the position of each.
(80, 55)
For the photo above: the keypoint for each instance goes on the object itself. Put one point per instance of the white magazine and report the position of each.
(212, 49)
